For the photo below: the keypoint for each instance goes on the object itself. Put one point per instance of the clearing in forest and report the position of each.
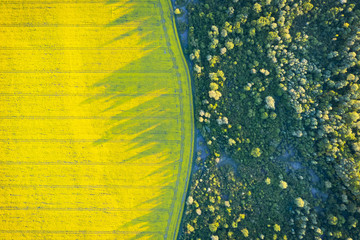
(96, 120)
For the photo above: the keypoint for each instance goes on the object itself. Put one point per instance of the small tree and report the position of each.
(256, 152)
(257, 8)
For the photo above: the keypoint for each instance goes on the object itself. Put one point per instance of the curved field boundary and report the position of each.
(178, 207)
(96, 120)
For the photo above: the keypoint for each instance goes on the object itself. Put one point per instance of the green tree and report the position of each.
(256, 152)
(257, 8)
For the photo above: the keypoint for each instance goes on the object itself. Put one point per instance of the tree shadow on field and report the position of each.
(141, 14)
(141, 100)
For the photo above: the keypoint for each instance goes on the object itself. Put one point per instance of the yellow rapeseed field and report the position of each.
(95, 120)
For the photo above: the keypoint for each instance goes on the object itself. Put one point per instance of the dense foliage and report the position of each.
(278, 103)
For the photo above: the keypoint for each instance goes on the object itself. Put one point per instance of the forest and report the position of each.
(277, 102)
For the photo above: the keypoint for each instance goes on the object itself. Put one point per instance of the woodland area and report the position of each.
(277, 101)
